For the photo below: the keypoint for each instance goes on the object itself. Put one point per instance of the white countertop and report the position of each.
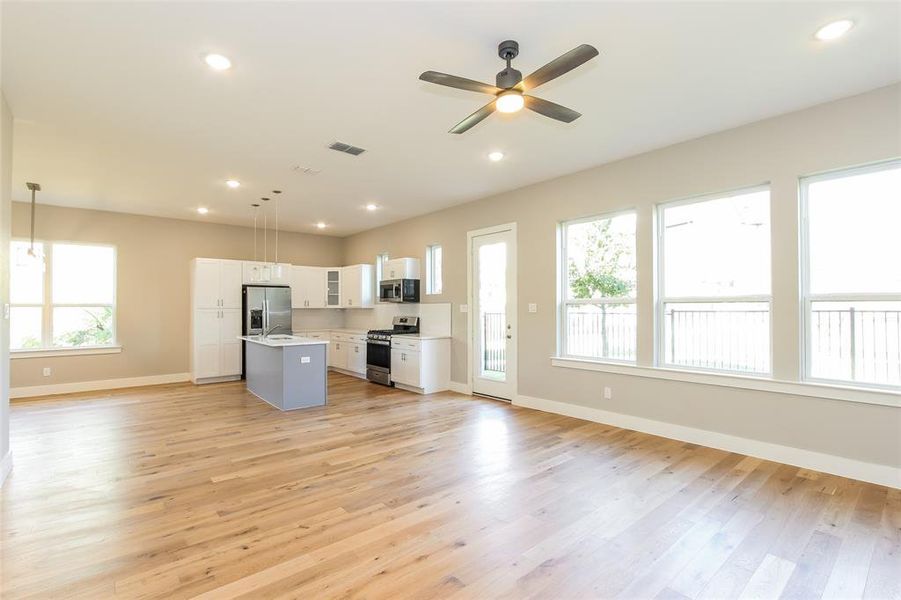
(280, 341)
(421, 336)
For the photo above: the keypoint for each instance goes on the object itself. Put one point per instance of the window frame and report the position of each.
(661, 299)
(430, 270)
(48, 305)
(563, 288)
(806, 298)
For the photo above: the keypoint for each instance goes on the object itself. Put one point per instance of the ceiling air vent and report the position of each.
(346, 148)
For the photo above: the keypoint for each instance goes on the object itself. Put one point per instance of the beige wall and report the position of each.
(6, 140)
(153, 296)
(777, 151)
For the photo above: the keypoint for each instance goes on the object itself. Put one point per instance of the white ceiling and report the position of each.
(116, 110)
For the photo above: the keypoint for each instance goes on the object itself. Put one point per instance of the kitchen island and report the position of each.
(287, 371)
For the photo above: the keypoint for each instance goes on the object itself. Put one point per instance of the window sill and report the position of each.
(747, 382)
(50, 352)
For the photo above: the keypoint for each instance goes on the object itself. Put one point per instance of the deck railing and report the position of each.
(494, 349)
(846, 344)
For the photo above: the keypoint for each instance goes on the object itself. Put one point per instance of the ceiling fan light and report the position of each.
(509, 102)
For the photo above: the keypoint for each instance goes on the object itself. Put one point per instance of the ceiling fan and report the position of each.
(510, 86)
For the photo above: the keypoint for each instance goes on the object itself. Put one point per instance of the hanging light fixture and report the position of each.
(277, 268)
(32, 256)
(267, 270)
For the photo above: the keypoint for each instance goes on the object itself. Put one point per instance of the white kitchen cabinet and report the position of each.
(420, 365)
(333, 287)
(356, 357)
(216, 348)
(254, 272)
(406, 367)
(231, 346)
(216, 283)
(401, 268)
(337, 352)
(308, 287)
(356, 286)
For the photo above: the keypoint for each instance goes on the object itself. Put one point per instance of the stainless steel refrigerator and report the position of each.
(267, 310)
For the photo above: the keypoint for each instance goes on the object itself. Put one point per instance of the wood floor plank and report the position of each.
(180, 491)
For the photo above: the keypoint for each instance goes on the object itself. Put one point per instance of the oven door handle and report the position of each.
(378, 343)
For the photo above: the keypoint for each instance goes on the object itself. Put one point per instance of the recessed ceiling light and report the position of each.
(233, 183)
(834, 30)
(203, 210)
(320, 225)
(217, 62)
(371, 207)
(495, 156)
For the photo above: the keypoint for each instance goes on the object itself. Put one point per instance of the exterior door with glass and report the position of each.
(493, 312)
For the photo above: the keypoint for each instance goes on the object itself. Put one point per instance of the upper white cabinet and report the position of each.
(269, 273)
(333, 287)
(401, 268)
(216, 283)
(356, 286)
(308, 287)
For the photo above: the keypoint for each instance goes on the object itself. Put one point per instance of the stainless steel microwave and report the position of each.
(399, 290)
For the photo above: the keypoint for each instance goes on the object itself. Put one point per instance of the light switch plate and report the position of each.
(533, 308)
(304, 360)
(464, 308)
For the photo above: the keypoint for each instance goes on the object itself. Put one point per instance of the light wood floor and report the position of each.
(179, 491)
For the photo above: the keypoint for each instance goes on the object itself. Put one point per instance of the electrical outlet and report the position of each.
(464, 308)
(533, 308)
(47, 371)
(608, 393)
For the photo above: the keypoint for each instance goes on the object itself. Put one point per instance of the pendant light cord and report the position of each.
(33, 203)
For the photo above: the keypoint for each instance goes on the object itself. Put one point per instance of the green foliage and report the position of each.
(599, 274)
(31, 342)
(97, 332)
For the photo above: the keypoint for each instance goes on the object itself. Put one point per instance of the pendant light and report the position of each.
(277, 268)
(267, 269)
(32, 256)
(256, 213)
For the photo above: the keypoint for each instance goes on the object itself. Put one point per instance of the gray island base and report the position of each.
(288, 372)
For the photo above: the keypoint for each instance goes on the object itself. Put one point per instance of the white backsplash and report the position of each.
(435, 318)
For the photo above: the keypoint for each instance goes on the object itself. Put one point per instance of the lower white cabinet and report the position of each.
(356, 357)
(337, 353)
(420, 365)
(406, 367)
(216, 349)
(347, 352)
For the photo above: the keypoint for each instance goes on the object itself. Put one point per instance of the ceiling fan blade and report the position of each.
(550, 109)
(460, 83)
(473, 119)
(558, 66)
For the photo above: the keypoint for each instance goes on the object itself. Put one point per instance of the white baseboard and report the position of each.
(91, 386)
(808, 459)
(6, 465)
(460, 388)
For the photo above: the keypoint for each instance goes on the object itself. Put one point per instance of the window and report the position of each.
(714, 282)
(433, 283)
(65, 301)
(598, 275)
(851, 266)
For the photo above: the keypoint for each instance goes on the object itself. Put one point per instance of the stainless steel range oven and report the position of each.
(378, 348)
